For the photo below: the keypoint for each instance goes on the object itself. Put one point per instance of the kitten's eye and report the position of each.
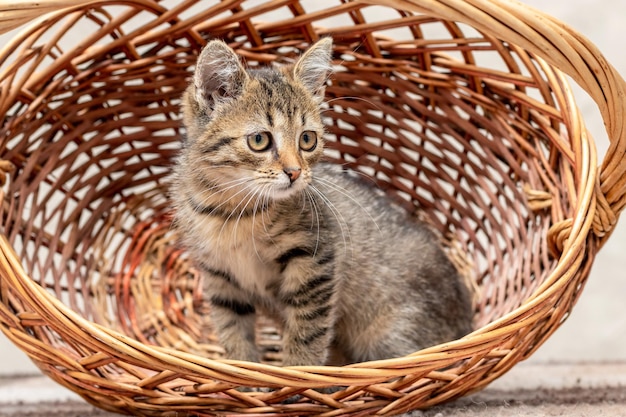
(308, 140)
(260, 141)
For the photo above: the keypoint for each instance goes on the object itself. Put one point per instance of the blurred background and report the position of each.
(596, 330)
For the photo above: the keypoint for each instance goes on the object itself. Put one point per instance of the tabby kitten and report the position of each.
(346, 272)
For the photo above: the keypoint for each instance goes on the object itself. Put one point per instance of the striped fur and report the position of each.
(348, 274)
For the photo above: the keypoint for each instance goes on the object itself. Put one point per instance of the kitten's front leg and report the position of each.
(307, 337)
(234, 323)
(233, 316)
(309, 311)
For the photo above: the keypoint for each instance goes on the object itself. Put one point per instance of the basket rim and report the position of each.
(574, 237)
(124, 347)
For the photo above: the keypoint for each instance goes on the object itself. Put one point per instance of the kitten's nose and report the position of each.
(292, 173)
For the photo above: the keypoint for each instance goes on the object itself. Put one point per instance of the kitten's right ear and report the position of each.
(219, 75)
(313, 67)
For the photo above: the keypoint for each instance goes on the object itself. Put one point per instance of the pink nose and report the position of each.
(293, 173)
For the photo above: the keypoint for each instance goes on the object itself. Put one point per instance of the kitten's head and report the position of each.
(255, 128)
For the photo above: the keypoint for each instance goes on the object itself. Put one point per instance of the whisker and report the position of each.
(246, 198)
(315, 211)
(372, 103)
(369, 178)
(206, 200)
(266, 202)
(347, 194)
(229, 185)
(254, 196)
(341, 221)
(246, 188)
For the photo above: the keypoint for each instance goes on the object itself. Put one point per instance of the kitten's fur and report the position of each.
(348, 274)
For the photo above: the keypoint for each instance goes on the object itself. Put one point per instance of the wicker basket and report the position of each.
(454, 106)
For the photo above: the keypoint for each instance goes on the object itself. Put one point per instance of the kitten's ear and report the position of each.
(313, 68)
(219, 75)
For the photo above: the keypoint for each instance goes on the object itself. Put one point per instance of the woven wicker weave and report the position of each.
(458, 107)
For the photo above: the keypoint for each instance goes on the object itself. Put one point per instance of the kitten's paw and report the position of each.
(254, 389)
(275, 396)
(328, 390)
(331, 390)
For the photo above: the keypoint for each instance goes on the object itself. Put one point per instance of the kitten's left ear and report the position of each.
(313, 68)
(219, 75)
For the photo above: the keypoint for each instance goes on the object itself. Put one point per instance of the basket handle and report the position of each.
(21, 12)
(570, 52)
(514, 22)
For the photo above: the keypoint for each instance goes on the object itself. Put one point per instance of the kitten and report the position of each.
(348, 274)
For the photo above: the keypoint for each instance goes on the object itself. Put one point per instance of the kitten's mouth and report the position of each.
(282, 191)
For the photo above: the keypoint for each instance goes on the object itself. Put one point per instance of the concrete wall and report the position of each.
(597, 329)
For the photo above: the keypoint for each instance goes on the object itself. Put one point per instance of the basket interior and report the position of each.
(447, 120)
